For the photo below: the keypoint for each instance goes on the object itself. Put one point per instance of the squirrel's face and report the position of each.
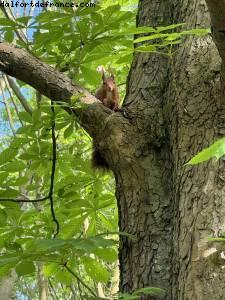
(109, 83)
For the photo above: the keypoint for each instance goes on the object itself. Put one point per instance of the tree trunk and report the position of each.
(170, 208)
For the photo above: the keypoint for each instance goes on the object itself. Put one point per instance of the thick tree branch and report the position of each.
(19, 63)
(217, 14)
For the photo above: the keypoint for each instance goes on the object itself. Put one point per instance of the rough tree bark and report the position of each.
(173, 108)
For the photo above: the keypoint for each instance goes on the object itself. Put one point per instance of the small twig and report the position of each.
(122, 83)
(80, 280)
(25, 201)
(54, 154)
(53, 290)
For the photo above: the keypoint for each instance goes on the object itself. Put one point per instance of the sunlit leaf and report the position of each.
(216, 150)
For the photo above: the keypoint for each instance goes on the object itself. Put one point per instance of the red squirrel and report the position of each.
(108, 94)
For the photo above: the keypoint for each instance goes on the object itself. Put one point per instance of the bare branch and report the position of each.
(53, 289)
(80, 280)
(19, 95)
(12, 99)
(8, 112)
(217, 14)
(24, 200)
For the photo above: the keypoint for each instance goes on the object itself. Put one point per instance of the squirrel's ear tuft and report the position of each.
(112, 76)
(101, 70)
(103, 77)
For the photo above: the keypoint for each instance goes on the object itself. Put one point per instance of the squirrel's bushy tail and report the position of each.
(98, 161)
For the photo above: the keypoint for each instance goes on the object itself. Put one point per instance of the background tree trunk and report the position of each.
(7, 286)
(196, 95)
(42, 283)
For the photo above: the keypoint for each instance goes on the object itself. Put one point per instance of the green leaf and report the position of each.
(110, 11)
(14, 166)
(5, 260)
(29, 156)
(7, 22)
(28, 130)
(153, 291)
(17, 142)
(20, 181)
(9, 193)
(150, 37)
(72, 227)
(97, 54)
(172, 37)
(63, 276)
(69, 130)
(7, 155)
(90, 244)
(3, 217)
(109, 255)
(90, 75)
(50, 269)
(84, 29)
(25, 116)
(147, 48)
(25, 267)
(125, 296)
(95, 270)
(49, 16)
(58, 271)
(3, 176)
(134, 30)
(23, 20)
(9, 36)
(218, 239)
(169, 27)
(216, 150)
(36, 117)
(196, 31)
(125, 59)
(46, 244)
